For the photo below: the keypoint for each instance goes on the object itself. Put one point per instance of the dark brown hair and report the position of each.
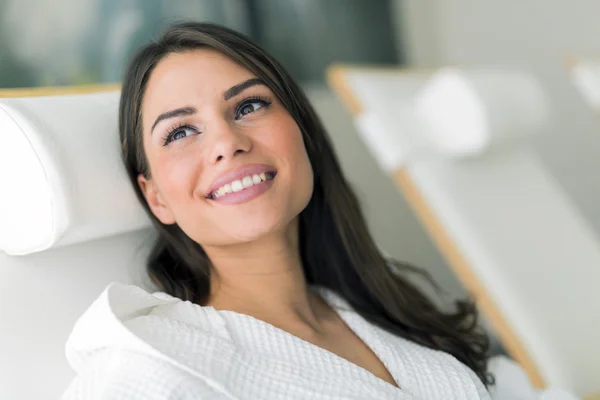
(336, 247)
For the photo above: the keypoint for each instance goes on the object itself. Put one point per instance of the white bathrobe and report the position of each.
(131, 344)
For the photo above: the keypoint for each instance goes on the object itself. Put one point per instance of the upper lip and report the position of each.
(239, 173)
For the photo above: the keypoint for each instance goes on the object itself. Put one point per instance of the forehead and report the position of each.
(190, 78)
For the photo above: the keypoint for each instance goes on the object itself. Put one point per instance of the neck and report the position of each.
(265, 279)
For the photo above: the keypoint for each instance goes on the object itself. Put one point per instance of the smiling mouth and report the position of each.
(242, 184)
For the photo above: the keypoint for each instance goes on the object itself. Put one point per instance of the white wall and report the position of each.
(534, 34)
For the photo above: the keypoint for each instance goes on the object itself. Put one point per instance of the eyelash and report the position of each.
(168, 138)
(263, 101)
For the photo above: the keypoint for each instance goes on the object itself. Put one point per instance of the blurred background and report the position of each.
(65, 42)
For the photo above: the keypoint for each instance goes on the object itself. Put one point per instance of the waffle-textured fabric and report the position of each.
(131, 344)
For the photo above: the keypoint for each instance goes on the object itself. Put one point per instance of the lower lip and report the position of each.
(244, 195)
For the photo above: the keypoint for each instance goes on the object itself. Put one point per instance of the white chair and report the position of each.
(455, 143)
(67, 210)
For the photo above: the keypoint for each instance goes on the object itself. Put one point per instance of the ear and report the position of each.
(155, 201)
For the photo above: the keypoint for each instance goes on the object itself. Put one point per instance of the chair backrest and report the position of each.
(455, 143)
(61, 184)
(41, 297)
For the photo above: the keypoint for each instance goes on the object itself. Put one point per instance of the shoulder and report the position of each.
(116, 375)
(444, 369)
(118, 320)
(122, 347)
(102, 325)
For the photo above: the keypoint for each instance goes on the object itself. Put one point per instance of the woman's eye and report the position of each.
(180, 133)
(249, 108)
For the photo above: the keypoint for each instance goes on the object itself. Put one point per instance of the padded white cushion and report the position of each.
(61, 175)
(467, 113)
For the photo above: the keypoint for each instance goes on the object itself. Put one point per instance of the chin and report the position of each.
(252, 233)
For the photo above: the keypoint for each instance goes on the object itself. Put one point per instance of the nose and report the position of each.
(226, 142)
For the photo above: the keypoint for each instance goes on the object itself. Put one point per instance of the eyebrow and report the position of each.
(228, 94)
(172, 114)
(240, 87)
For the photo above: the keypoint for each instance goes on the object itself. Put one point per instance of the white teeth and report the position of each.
(237, 186)
(247, 182)
(240, 184)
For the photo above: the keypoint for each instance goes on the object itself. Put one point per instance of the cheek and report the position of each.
(291, 145)
(285, 139)
(176, 175)
(299, 157)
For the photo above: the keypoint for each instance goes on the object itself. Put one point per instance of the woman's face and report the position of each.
(227, 161)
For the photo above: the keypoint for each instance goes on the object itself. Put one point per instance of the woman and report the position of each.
(271, 285)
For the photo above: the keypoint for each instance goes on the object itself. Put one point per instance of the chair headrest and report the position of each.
(469, 112)
(61, 175)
